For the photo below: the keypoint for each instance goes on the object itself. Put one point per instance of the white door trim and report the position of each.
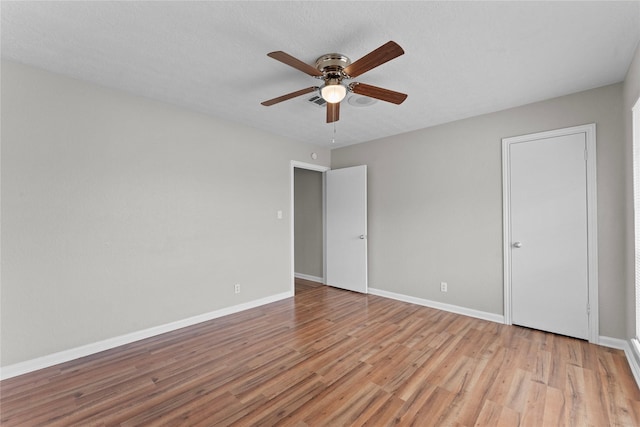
(292, 262)
(592, 219)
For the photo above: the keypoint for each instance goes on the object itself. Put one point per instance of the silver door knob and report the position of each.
(362, 237)
(517, 245)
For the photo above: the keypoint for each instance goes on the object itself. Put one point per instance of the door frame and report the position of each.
(592, 219)
(292, 247)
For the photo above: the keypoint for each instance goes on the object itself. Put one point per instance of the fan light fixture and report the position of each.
(333, 69)
(333, 92)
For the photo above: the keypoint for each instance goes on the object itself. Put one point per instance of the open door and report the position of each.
(346, 228)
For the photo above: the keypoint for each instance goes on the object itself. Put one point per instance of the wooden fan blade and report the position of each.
(378, 93)
(285, 58)
(289, 96)
(333, 112)
(383, 54)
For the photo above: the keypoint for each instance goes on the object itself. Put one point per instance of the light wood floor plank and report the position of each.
(336, 358)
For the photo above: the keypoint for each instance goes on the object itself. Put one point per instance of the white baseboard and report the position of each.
(618, 343)
(632, 351)
(309, 277)
(86, 350)
(492, 317)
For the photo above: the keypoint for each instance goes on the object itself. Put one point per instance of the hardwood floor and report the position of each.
(332, 358)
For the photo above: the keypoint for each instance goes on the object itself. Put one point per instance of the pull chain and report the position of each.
(333, 140)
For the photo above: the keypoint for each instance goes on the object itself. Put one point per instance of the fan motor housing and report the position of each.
(332, 64)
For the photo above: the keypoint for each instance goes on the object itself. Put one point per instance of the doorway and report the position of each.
(550, 235)
(344, 227)
(308, 223)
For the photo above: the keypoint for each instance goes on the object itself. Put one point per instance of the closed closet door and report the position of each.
(548, 239)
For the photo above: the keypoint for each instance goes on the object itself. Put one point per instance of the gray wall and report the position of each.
(435, 203)
(120, 213)
(308, 229)
(631, 93)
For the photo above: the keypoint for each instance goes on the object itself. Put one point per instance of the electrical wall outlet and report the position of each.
(236, 288)
(443, 286)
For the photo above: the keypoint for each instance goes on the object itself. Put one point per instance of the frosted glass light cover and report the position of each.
(333, 93)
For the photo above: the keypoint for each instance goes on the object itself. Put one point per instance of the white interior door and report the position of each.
(548, 233)
(346, 228)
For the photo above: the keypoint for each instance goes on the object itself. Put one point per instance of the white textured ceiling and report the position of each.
(462, 58)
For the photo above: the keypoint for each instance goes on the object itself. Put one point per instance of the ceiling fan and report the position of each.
(333, 68)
